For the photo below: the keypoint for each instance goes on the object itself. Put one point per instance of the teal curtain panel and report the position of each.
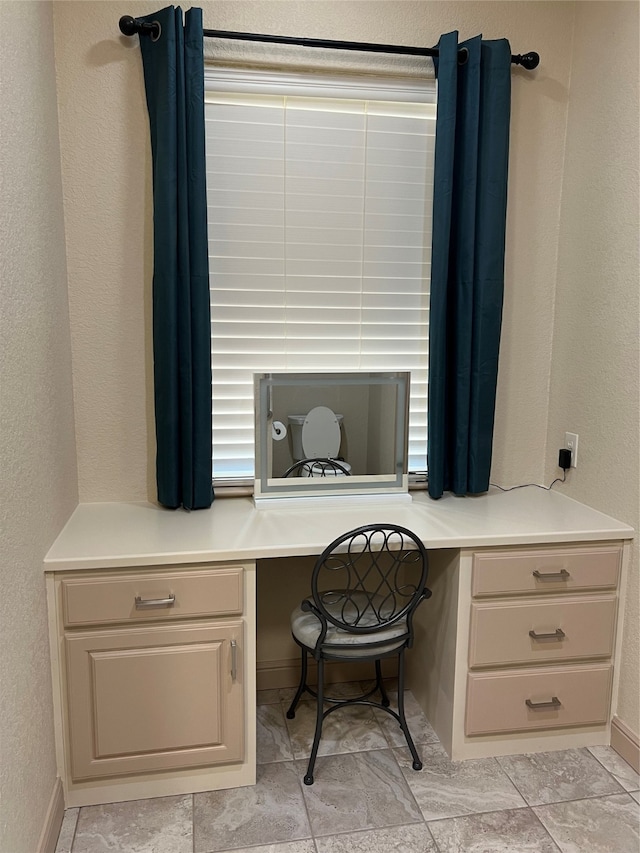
(174, 82)
(467, 272)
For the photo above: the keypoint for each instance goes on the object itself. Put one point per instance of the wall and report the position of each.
(596, 338)
(37, 452)
(106, 175)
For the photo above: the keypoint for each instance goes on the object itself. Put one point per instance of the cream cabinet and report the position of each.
(542, 628)
(155, 671)
(516, 650)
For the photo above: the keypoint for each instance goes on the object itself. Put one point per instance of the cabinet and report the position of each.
(155, 676)
(542, 627)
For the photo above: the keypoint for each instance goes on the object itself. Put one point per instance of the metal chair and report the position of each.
(318, 467)
(365, 588)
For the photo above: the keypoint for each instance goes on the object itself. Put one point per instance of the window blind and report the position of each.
(319, 208)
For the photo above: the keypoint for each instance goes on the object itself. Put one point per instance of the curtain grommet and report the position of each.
(157, 31)
(463, 56)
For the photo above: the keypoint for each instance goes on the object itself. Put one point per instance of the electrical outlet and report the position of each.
(571, 443)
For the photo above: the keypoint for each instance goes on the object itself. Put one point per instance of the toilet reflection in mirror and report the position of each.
(331, 433)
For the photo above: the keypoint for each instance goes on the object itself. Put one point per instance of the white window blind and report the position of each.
(319, 210)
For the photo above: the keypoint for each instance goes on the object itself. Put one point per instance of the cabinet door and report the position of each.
(154, 698)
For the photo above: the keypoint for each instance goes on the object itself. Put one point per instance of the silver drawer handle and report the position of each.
(536, 706)
(558, 634)
(234, 660)
(142, 603)
(562, 575)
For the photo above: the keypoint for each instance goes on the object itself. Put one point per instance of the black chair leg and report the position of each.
(301, 687)
(380, 685)
(308, 779)
(417, 764)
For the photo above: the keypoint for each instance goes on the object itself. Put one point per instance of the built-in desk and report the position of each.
(153, 618)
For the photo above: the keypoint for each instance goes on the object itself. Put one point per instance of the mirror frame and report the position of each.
(396, 482)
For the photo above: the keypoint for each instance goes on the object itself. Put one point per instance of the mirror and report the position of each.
(359, 419)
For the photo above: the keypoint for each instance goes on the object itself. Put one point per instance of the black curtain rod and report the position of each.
(130, 26)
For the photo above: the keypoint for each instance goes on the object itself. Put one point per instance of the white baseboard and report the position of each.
(53, 820)
(626, 743)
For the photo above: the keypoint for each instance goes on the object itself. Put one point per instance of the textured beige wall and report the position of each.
(596, 362)
(106, 178)
(37, 451)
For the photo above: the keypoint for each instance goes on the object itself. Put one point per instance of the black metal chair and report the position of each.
(318, 467)
(365, 588)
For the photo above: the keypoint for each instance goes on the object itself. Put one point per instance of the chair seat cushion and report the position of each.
(306, 627)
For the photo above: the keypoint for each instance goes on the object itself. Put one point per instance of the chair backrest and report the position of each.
(370, 577)
(318, 467)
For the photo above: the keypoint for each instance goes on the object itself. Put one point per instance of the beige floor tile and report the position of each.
(67, 831)
(617, 766)
(419, 727)
(398, 839)
(509, 831)
(272, 737)
(350, 729)
(162, 825)
(551, 777)
(595, 825)
(269, 812)
(363, 790)
(445, 788)
(305, 846)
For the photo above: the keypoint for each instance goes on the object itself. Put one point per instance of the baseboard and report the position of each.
(53, 820)
(626, 743)
(275, 674)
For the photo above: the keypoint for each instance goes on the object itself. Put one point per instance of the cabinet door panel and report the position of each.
(154, 698)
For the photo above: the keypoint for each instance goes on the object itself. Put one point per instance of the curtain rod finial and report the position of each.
(527, 60)
(128, 25)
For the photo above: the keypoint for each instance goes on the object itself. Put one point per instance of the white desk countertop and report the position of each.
(108, 535)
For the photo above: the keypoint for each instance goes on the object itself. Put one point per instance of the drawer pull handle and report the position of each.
(234, 660)
(558, 634)
(143, 603)
(536, 706)
(562, 575)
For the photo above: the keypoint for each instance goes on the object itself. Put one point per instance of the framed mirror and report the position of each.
(331, 434)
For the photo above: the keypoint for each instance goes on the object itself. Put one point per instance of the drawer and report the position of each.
(549, 570)
(525, 631)
(152, 596)
(557, 696)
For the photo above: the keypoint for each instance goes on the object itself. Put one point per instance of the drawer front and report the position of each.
(540, 571)
(152, 596)
(506, 633)
(558, 697)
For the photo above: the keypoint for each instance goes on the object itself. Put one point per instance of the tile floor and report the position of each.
(367, 799)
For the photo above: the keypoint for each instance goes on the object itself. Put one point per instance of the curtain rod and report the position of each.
(130, 26)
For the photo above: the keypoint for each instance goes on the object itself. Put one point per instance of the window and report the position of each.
(319, 206)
